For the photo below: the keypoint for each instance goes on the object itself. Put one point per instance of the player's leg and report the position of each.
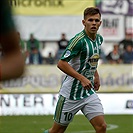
(65, 111)
(93, 111)
(99, 124)
(56, 128)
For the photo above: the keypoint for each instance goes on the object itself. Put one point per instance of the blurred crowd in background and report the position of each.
(42, 42)
(122, 52)
(32, 50)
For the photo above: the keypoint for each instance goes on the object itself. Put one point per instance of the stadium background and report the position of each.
(35, 93)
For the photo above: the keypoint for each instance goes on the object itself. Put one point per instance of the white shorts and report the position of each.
(66, 108)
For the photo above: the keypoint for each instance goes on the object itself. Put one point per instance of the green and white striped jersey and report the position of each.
(82, 53)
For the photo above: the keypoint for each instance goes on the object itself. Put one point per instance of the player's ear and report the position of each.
(83, 22)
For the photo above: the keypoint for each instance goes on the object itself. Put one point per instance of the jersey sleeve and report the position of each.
(72, 50)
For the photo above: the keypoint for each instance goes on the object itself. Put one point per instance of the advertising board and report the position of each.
(50, 7)
(48, 78)
(45, 104)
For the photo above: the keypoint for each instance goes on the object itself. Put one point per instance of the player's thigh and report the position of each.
(66, 109)
(93, 107)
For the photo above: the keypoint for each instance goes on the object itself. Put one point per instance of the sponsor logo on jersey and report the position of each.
(88, 73)
(94, 60)
(67, 53)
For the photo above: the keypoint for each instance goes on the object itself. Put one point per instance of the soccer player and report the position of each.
(78, 90)
(12, 62)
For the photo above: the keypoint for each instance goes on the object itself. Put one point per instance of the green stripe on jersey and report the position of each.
(75, 40)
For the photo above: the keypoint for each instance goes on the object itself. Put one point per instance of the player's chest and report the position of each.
(91, 48)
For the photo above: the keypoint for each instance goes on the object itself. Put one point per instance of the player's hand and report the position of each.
(86, 83)
(96, 84)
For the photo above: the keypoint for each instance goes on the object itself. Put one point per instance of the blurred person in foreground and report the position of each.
(78, 90)
(12, 62)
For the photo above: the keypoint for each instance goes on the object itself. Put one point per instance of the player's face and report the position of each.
(92, 23)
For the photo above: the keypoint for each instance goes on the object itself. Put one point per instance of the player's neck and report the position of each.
(92, 36)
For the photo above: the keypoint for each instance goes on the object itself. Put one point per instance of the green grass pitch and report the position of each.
(37, 124)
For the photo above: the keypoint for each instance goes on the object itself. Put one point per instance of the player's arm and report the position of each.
(12, 63)
(66, 68)
(96, 81)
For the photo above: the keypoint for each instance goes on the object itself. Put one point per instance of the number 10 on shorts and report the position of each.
(68, 116)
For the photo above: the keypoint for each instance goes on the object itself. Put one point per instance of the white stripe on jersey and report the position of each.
(92, 46)
(97, 47)
(87, 58)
